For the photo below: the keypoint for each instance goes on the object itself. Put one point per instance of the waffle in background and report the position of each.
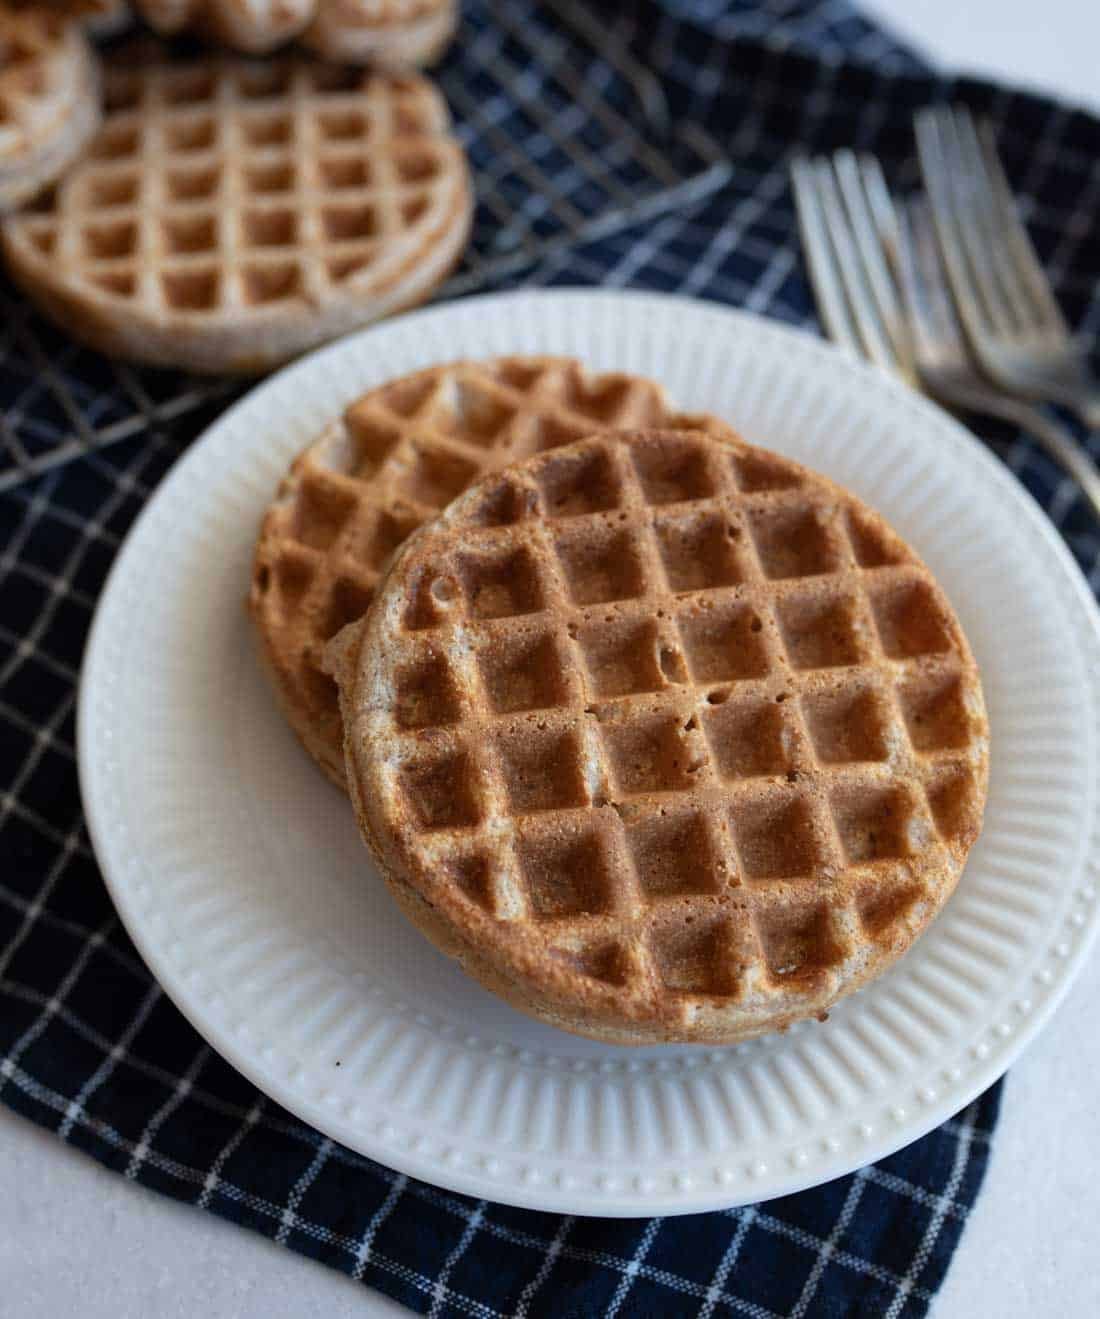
(49, 100)
(389, 34)
(664, 738)
(395, 458)
(232, 213)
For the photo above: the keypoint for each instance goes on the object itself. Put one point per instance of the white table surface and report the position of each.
(77, 1240)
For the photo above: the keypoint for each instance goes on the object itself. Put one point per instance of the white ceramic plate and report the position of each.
(239, 873)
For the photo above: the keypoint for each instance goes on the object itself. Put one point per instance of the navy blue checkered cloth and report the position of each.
(89, 1045)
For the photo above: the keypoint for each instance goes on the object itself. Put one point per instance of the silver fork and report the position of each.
(881, 291)
(1004, 299)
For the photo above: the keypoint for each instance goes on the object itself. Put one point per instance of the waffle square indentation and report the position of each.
(955, 803)
(425, 696)
(622, 658)
(542, 769)
(909, 619)
(749, 737)
(653, 753)
(672, 471)
(874, 823)
(819, 632)
(500, 583)
(847, 724)
(434, 476)
(521, 671)
(672, 854)
(799, 942)
(699, 550)
(696, 958)
(349, 600)
(777, 836)
(600, 565)
(723, 643)
(935, 712)
(757, 470)
(440, 791)
(565, 872)
(572, 484)
(791, 542)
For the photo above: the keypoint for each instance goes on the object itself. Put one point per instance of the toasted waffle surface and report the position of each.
(233, 213)
(49, 100)
(664, 737)
(384, 33)
(394, 459)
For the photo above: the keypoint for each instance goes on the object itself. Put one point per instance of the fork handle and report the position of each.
(1058, 442)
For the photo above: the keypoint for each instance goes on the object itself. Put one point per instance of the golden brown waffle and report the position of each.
(233, 213)
(49, 100)
(664, 738)
(388, 34)
(395, 458)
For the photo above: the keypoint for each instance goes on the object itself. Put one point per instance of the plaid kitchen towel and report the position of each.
(90, 1047)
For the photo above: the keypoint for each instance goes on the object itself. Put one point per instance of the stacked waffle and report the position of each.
(662, 736)
(229, 213)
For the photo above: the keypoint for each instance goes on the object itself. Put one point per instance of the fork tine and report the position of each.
(1016, 303)
(874, 342)
(1017, 242)
(972, 223)
(824, 277)
(934, 171)
(926, 288)
(852, 178)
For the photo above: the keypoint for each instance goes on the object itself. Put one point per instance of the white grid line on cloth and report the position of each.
(213, 1180)
(48, 831)
(112, 502)
(41, 732)
(58, 513)
(59, 585)
(634, 1264)
(365, 1248)
(118, 1051)
(25, 650)
(440, 1290)
(39, 913)
(34, 908)
(289, 1217)
(182, 1090)
(726, 1263)
(844, 1257)
(68, 980)
(825, 1254)
(935, 1226)
(553, 1250)
(33, 757)
(35, 507)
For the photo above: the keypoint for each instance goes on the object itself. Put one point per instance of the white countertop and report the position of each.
(75, 1239)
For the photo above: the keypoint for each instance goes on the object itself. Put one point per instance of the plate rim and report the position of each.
(471, 1182)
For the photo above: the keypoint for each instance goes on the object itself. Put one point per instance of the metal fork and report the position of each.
(881, 291)
(1004, 299)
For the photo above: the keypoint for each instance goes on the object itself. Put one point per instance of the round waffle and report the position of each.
(664, 738)
(390, 34)
(49, 100)
(393, 460)
(232, 214)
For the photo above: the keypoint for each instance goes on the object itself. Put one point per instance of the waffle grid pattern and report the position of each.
(232, 186)
(48, 100)
(33, 55)
(698, 721)
(516, 80)
(399, 455)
